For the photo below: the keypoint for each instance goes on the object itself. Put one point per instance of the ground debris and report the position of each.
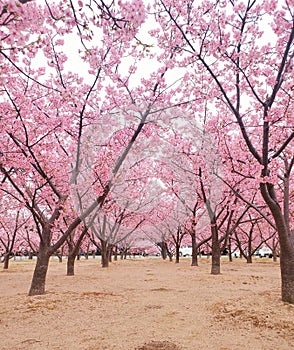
(159, 345)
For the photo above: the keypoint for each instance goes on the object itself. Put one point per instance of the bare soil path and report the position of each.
(146, 304)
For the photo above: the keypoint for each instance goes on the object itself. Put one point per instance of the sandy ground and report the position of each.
(146, 304)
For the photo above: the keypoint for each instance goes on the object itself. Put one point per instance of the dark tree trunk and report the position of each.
(109, 252)
(215, 250)
(215, 244)
(286, 238)
(104, 254)
(249, 253)
(177, 238)
(40, 272)
(104, 260)
(177, 254)
(275, 257)
(287, 273)
(70, 266)
(249, 259)
(6, 261)
(123, 253)
(230, 250)
(73, 251)
(194, 250)
(194, 258)
(163, 250)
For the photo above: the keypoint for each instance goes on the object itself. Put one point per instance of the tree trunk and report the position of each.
(73, 251)
(6, 261)
(109, 252)
(177, 254)
(70, 266)
(287, 275)
(286, 238)
(249, 253)
(249, 259)
(275, 257)
(230, 250)
(40, 272)
(104, 260)
(194, 258)
(104, 254)
(194, 250)
(163, 250)
(215, 250)
(215, 244)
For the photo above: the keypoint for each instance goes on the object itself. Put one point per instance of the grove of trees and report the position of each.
(165, 121)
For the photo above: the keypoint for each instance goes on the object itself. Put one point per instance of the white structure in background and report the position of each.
(186, 251)
(264, 252)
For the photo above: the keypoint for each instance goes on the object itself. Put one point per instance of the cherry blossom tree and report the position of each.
(42, 143)
(245, 49)
(79, 108)
(250, 236)
(49, 107)
(9, 234)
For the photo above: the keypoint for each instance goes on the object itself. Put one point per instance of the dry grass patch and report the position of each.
(276, 316)
(159, 345)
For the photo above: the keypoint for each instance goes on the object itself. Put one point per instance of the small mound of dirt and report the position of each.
(159, 345)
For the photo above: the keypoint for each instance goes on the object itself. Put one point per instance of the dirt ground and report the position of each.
(146, 304)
